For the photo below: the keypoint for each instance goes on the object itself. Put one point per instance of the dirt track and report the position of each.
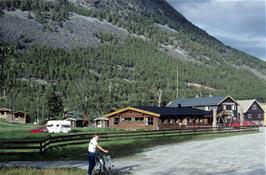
(237, 155)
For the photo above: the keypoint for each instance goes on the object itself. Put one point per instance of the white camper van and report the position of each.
(57, 126)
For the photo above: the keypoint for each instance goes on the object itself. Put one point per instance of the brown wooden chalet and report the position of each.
(15, 117)
(251, 111)
(158, 118)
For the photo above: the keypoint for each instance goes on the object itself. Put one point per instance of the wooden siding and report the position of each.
(254, 113)
(228, 102)
(132, 124)
(129, 120)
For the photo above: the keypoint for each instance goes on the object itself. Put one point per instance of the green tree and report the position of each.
(55, 104)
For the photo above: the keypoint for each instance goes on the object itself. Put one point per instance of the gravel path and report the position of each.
(237, 155)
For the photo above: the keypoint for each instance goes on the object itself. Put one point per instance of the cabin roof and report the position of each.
(5, 110)
(100, 119)
(246, 104)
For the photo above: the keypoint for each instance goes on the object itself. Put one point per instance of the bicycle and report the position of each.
(103, 164)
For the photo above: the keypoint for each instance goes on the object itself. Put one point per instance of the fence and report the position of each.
(22, 146)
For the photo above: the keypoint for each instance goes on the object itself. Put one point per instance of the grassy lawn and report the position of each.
(34, 171)
(117, 148)
(9, 131)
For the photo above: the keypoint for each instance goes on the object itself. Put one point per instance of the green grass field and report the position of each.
(34, 171)
(10, 131)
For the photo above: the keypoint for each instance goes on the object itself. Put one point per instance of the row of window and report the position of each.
(148, 121)
(231, 107)
(225, 107)
(250, 116)
(197, 121)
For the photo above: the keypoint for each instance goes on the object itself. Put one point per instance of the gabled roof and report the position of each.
(246, 104)
(164, 111)
(100, 119)
(5, 110)
(72, 119)
(200, 101)
(21, 113)
(133, 109)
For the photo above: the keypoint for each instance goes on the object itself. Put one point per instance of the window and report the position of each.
(207, 108)
(249, 116)
(139, 119)
(128, 119)
(233, 107)
(150, 120)
(259, 116)
(254, 107)
(116, 121)
(65, 126)
(228, 107)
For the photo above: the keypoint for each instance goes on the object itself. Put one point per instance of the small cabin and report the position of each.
(101, 122)
(21, 117)
(6, 113)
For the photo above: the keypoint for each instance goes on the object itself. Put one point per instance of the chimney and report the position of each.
(179, 105)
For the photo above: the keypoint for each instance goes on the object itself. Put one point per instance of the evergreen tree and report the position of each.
(55, 104)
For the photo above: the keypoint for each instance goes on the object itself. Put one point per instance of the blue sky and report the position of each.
(237, 23)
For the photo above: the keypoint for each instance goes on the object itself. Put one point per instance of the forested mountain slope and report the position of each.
(104, 54)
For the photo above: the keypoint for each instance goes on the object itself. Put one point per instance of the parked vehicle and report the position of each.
(245, 124)
(39, 130)
(58, 126)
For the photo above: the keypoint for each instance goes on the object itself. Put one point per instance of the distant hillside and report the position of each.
(104, 54)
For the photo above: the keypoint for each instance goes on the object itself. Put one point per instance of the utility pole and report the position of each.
(177, 81)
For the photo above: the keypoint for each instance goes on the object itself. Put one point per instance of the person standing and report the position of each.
(93, 145)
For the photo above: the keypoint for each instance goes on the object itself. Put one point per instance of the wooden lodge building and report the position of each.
(158, 118)
(224, 109)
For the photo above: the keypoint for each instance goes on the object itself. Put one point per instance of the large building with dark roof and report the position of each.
(158, 118)
(225, 108)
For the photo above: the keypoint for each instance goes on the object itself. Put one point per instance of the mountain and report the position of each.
(104, 54)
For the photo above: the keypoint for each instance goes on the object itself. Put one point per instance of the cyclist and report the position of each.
(93, 145)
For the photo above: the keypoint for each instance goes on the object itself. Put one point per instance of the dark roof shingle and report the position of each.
(201, 101)
(174, 111)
